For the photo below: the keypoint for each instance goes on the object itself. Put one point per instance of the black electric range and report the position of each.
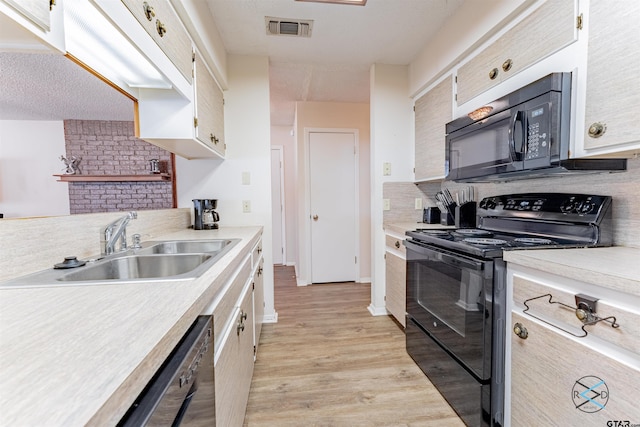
(529, 221)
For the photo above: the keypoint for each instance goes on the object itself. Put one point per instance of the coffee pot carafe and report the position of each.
(204, 216)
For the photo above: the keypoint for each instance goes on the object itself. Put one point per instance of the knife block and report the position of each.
(465, 215)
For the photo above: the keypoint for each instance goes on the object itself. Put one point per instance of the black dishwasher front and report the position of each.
(182, 392)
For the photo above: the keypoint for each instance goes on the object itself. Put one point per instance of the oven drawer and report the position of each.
(466, 395)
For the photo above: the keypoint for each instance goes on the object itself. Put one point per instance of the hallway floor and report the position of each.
(328, 362)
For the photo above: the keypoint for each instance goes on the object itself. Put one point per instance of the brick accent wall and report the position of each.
(110, 148)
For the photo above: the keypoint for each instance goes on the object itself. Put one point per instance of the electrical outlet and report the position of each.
(386, 169)
(418, 203)
(246, 178)
(386, 204)
(246, 206)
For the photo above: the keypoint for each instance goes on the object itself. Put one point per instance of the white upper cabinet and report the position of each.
(162, 23)
(613, 78)
(432, 113)
(547, 30)
(28, 23)
(209, 123)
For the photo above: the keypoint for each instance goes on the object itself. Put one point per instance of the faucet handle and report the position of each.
(135, 240)
(133, 215)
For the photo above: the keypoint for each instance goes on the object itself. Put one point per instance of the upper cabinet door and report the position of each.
(613, 75)
(209, 108)
(544, 32)
(36, 11)
(432, 113)
(162, 23)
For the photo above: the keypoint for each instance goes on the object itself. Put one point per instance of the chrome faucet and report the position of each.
(114, 232)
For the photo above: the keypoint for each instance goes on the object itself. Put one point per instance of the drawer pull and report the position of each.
(148, 11)
(397, 244)
(582, 312)
(493, 74)
(597, 129)
(162, 30)
(506, 65)
(520, 331)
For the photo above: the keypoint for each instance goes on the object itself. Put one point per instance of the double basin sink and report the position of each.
(163, 260)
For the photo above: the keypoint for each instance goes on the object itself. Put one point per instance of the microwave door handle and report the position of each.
(515, 155)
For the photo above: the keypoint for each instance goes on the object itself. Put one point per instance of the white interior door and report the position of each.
(332, 181)
(277, 205)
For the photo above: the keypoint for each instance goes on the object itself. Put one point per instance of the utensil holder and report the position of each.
(447, 218)
(465, 215)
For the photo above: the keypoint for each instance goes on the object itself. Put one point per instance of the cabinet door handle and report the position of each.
(148, 11)
(596, 130)
(520, 331)
(506, 65)
(397, 244)
(162, 30)
(315, 217)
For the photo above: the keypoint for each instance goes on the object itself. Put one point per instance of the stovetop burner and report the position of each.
(473, 232)
(485, 241)
(533, 241)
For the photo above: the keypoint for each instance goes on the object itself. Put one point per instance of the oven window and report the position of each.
(452, 295)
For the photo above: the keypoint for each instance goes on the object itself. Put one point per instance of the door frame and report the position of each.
(283, 223)
(307, 202)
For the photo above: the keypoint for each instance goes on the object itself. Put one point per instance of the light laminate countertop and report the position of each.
(616, 268)
(401, 227)
(79, 355)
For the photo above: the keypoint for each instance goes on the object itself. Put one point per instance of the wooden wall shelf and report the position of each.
(113, 178)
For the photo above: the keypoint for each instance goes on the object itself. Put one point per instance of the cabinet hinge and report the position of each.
(579, 21)
(195, 122)
(414, 108)
(456, 79)
(51, 4)
(356, 259)
(253, 286)
(254, 350)
(385, 256)
(455, 97)
(193, 56)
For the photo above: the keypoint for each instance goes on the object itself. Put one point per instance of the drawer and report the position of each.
(228, 303)
(158, 17)
(395, 243)
(626, 336)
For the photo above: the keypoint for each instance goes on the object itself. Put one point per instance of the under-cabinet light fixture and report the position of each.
(95, 42)
(352, 2)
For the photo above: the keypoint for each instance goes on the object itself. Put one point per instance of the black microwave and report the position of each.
(525, 134)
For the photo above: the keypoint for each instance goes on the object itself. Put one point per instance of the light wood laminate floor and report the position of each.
(328, 362)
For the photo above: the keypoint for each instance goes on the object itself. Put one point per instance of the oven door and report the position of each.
(449, 296)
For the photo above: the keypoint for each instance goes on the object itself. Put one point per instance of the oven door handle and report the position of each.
(433, 254)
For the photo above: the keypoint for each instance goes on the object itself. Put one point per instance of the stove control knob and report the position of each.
(586, 207)
(567, 206)
(520, 331)
(490, 204)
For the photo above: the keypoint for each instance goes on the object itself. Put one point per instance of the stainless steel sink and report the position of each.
(155, 261)
(138, 267)
(186, 247)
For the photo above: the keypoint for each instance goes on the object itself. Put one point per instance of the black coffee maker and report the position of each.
(204, 216)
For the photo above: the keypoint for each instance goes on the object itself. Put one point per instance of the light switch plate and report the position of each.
(386, 169)
(418, 203)
(246, 178)
(386, 204)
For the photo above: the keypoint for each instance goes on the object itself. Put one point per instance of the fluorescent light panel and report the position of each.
(352, 2)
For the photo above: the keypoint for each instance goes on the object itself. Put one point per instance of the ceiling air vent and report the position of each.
(288, 27)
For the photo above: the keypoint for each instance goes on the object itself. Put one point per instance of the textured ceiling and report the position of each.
(332, 65)
(51, 87)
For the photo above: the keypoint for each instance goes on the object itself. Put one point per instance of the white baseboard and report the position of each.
(377, 311)
(270, 318)
(301, 282)
(365, 280)
(290, 264)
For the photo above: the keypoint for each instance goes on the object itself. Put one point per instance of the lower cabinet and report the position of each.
(234, 365)
(561, 373)
(395, 278)
(238, 317)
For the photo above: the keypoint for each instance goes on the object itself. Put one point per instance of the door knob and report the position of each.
(315, 217)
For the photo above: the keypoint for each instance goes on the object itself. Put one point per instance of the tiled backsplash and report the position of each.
(111, 148)
(623, 187)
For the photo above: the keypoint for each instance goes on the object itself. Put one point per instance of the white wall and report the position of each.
(247, 134)
(391, 141)
(282, 135)
(29, 157)
(333, 115)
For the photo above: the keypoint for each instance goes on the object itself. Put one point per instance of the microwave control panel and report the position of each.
(538, 132)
